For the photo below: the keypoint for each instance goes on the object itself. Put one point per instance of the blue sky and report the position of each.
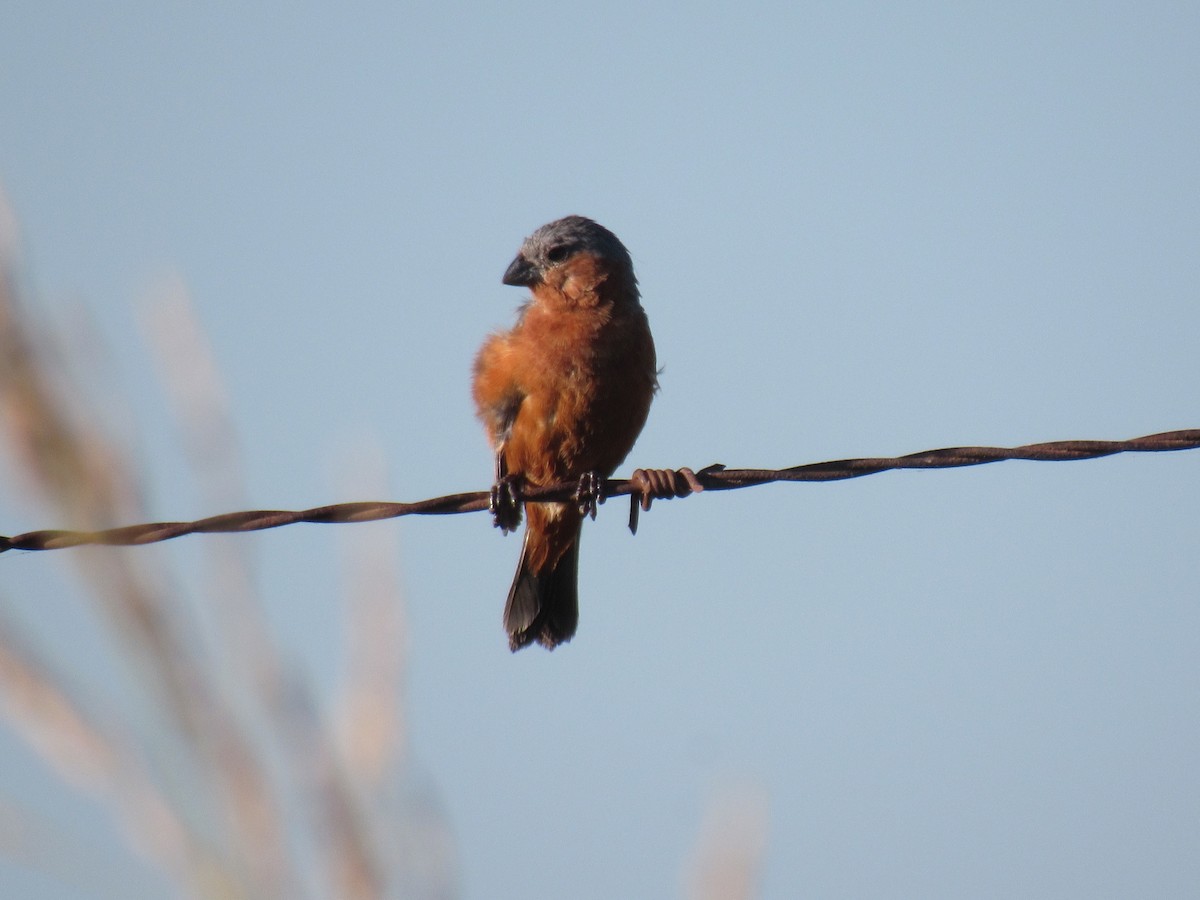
(860, 229)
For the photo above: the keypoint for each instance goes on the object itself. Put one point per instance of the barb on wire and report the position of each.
(645, 486)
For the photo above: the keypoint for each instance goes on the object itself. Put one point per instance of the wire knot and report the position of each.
(660, 484)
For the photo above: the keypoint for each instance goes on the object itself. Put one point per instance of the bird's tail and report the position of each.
(543, 606)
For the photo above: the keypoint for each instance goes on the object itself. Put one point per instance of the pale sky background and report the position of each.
(860, 229)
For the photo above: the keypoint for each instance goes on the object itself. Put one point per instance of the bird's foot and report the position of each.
(505, 503)
(590, 493)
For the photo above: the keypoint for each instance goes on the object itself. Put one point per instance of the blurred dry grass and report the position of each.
(728, 855)
(236, 784)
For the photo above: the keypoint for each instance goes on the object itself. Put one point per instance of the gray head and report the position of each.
(554, 244)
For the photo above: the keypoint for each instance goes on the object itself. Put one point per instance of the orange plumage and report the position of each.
(562, 395)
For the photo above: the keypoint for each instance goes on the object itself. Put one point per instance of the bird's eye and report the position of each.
(558, 253)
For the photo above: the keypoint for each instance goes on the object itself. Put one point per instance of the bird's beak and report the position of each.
(521, 273)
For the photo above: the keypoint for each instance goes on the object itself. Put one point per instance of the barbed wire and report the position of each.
(643, 487)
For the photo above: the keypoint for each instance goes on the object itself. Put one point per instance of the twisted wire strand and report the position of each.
(643, 487)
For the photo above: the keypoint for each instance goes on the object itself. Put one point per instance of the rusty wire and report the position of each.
(643, 487)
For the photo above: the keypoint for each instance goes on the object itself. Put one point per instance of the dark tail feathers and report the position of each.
(545, 607)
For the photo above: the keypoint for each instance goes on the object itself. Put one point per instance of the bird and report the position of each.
(563, 395)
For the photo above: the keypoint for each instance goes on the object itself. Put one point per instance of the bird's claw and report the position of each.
(589, 494)
(505, 503)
